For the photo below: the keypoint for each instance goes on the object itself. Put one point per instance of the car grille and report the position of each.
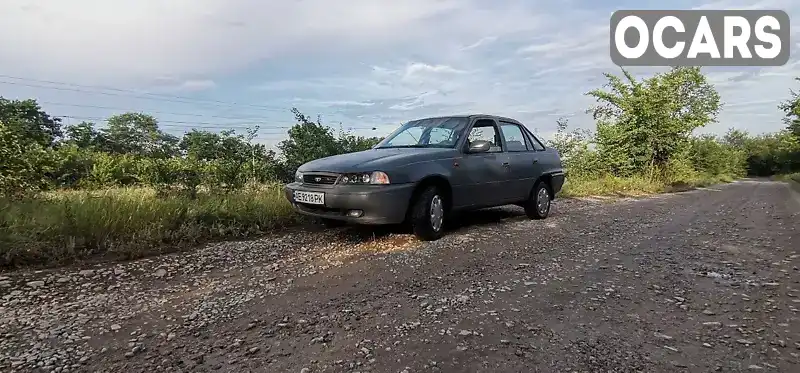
(320, 179)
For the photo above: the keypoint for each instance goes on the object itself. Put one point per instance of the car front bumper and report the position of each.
(379, 204)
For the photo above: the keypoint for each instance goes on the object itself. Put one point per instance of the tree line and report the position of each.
(644, 127)
(40, 153)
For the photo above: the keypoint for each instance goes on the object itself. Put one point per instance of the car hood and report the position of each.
(375, 159)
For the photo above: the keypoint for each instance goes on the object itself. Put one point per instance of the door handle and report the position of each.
(535, 161)
(505, 164)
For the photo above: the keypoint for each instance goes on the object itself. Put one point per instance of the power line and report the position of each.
(274, 109)
(161, 97)
(144, 111)
(130, 91)
(144, 95)
(235, 124)
(156, 111)
(186, 125)
(128, 95)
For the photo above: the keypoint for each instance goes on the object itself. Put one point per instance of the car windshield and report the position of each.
(426, 133)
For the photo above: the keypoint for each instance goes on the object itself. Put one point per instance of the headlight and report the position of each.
(376, 177)
(298, 177)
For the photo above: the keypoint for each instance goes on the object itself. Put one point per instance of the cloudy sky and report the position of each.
(226, 64)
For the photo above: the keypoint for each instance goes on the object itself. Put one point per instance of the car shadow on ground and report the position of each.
(356, 234)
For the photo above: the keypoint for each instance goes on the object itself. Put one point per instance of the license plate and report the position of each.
(314, 198)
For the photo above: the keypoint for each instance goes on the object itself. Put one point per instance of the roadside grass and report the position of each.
(789, 177)
(793, 180)
(60, 227)
(635, 186)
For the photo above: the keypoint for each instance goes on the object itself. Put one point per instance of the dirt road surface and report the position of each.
(700, 281)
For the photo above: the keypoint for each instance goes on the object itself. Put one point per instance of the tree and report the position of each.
(791, 109)
(232, 157)
(568, 142)
(574, 149)
(349, 143)
(736, 138)
(30, 121)
(204, 145)
(84, 136)
(643, 126)
(308, 140)
(138, 134)
(24, 162)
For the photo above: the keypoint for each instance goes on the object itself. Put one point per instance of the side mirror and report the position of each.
(479, 146)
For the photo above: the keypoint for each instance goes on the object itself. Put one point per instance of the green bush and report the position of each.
(771, 154)
(110, 170)
(711, 156)
(24, 164)
(72, 166)
(226, 174)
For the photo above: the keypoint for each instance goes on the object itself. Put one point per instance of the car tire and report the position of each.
(427, 215)
(538, 204)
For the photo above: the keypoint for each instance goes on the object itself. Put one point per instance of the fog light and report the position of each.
(355, 213)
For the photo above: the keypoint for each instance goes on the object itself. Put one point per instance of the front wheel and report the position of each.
(427, 215)
(538, 204)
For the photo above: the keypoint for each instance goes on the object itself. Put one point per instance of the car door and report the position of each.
(524, 159)
(479, 177)
(521, 162)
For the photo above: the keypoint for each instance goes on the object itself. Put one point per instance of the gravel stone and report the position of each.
(35, 284)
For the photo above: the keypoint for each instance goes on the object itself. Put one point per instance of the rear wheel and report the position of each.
(538, 204)
(427, 215)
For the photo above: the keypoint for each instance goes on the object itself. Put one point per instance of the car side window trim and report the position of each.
(534, 140)
(538, 142)
(528, 142)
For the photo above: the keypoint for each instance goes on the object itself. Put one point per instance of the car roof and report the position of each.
(473, 116)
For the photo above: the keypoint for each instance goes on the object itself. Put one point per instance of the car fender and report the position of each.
(417, 171)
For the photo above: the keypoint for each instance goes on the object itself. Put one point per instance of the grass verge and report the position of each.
(61, 227)
(634, 186)
(789, 177)
(792, 179)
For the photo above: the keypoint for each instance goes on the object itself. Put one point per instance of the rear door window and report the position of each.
(515, 140)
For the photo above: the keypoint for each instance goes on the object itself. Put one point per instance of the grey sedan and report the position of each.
(429, 169)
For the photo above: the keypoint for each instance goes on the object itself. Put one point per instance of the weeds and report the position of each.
(125, 223)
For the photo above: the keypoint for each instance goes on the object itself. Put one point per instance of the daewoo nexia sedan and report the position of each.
(429, 169)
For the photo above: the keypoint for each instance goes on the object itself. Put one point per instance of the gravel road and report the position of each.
(700, 281)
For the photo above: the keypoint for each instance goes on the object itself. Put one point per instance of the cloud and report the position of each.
(362, 62)
(415, 69)
(479, 43)
(173, 85)
(196, 85)
(140, 39)
(335, 103)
